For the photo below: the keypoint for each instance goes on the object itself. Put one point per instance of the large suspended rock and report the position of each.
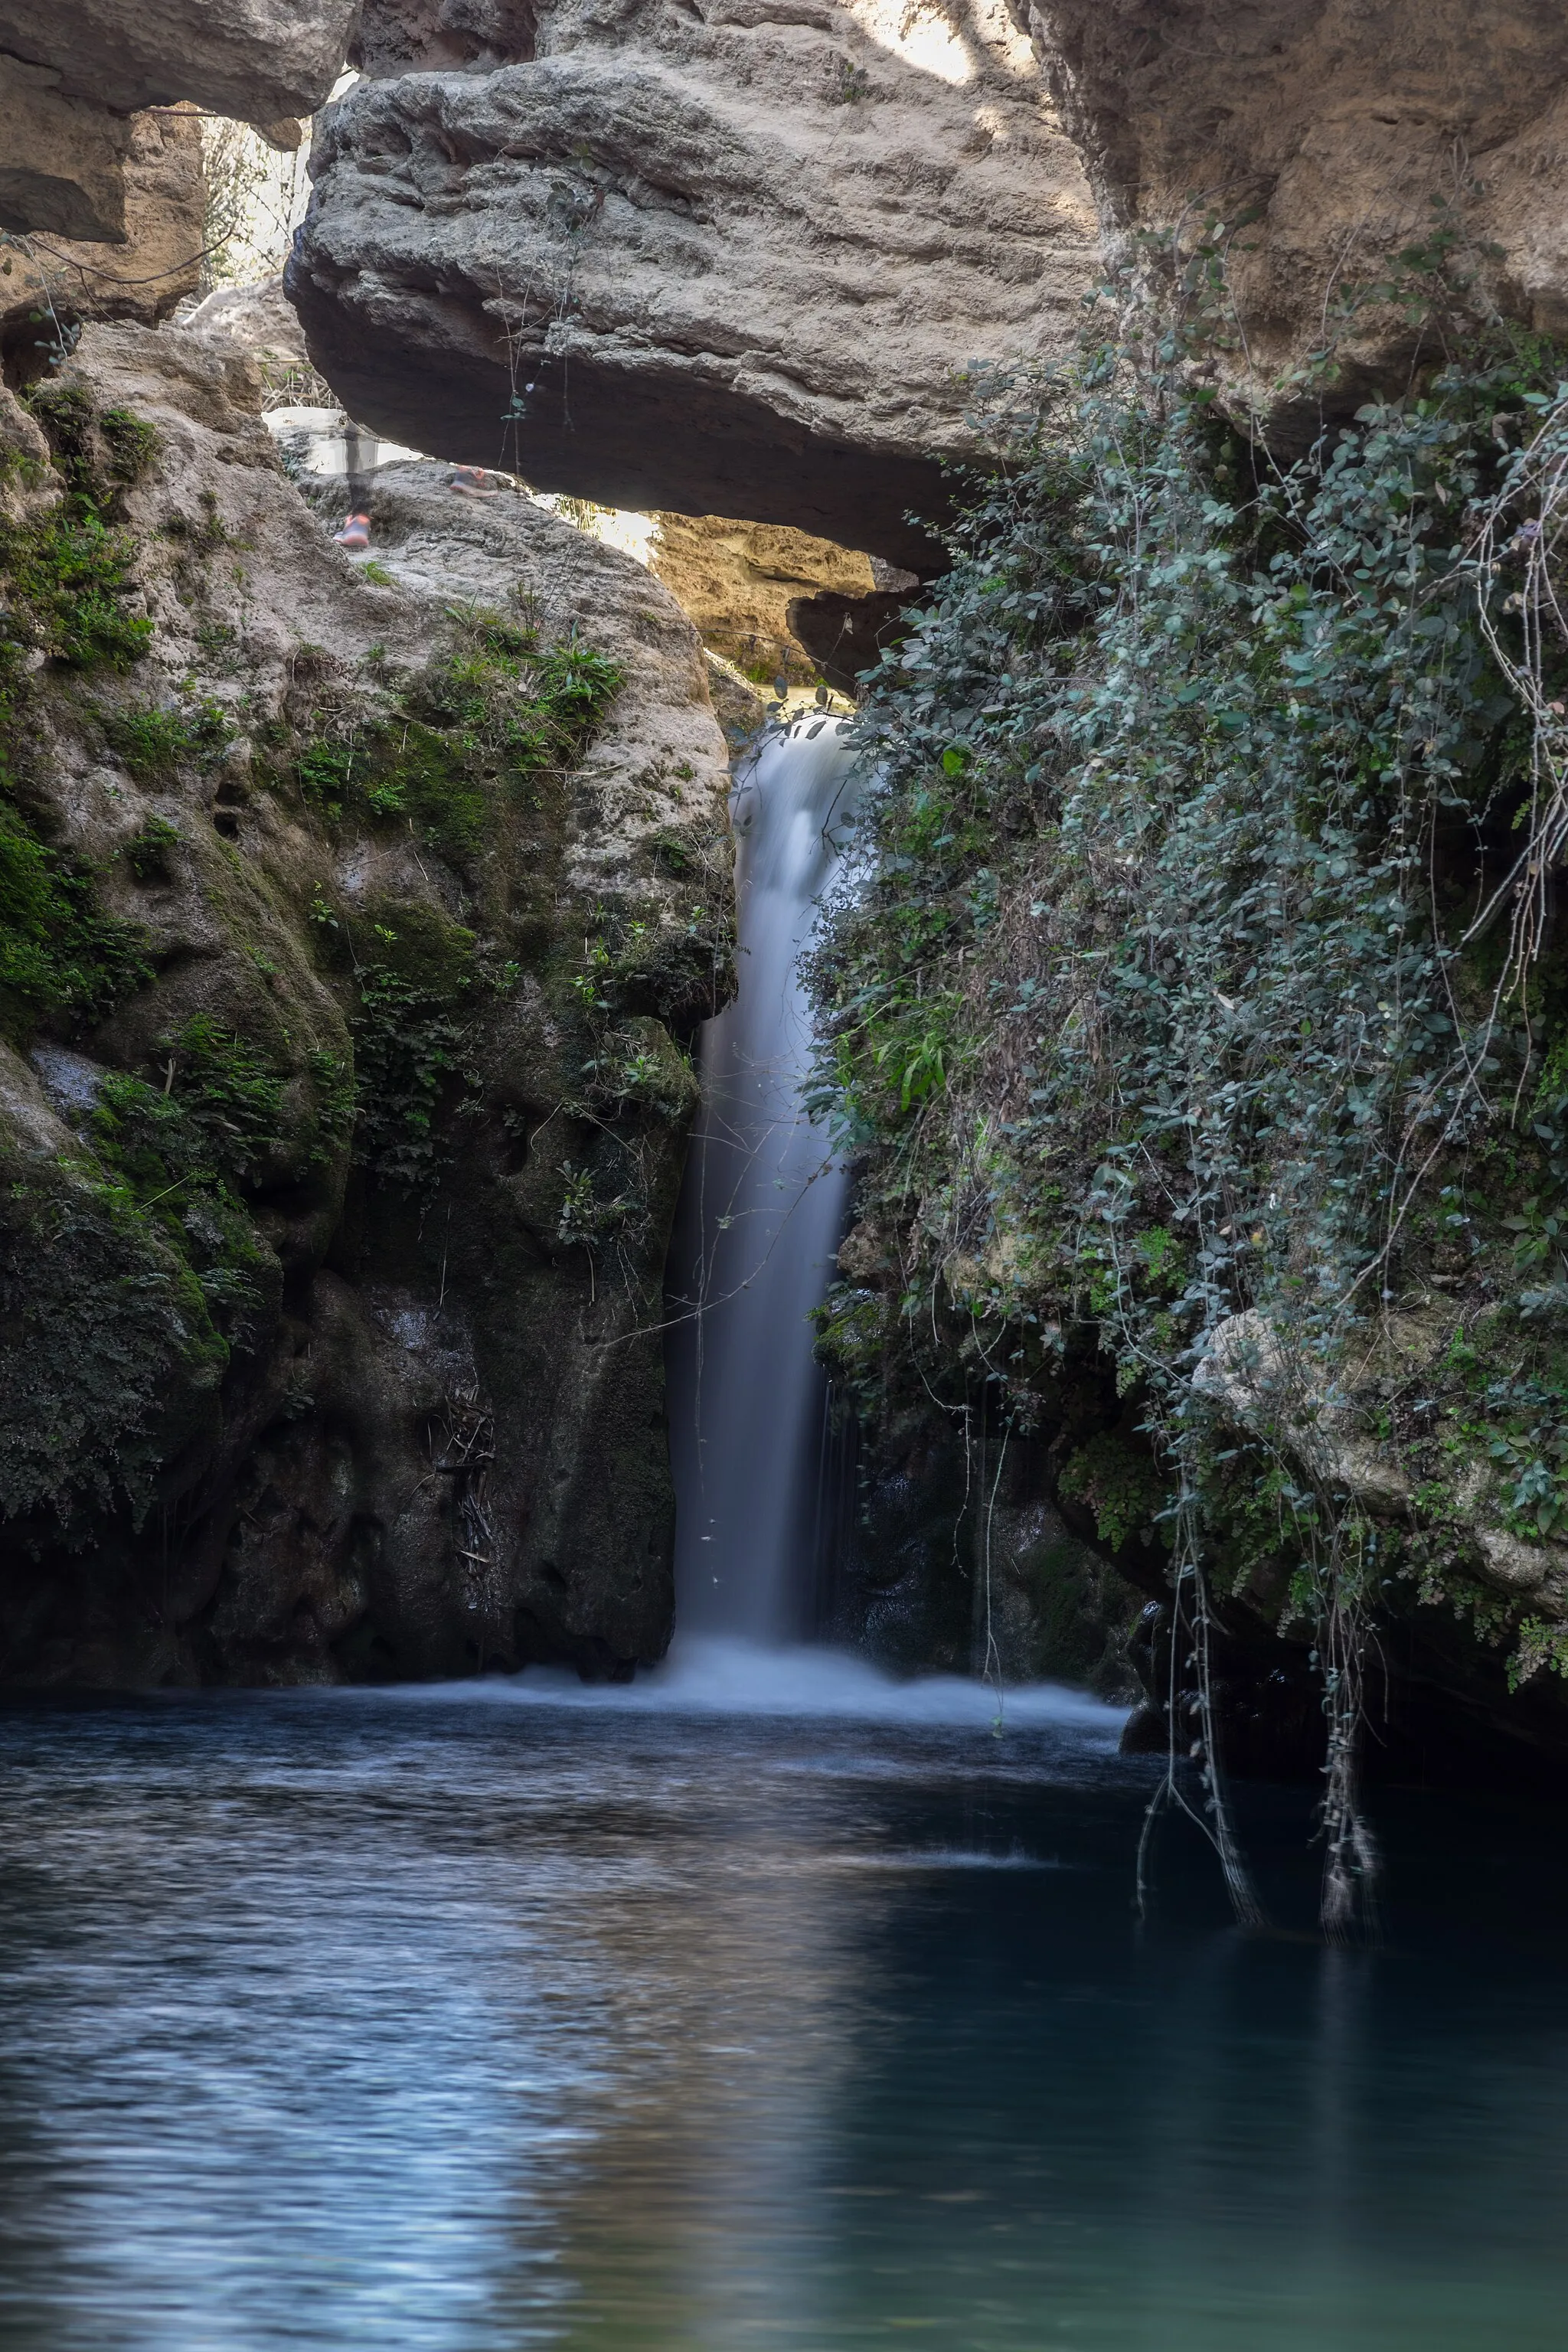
(730, 260)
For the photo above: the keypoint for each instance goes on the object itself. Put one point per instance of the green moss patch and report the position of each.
(59, 952)
(467, 742)
(109, 1362)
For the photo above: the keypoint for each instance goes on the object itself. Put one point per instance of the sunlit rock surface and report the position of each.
(728, 262)
(738, 581)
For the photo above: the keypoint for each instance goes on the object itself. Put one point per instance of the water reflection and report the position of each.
(486, 2020)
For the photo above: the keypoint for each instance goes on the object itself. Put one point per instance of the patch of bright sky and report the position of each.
(616, 526)
(920, 36)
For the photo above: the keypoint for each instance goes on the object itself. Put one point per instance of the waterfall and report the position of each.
(761, 1217)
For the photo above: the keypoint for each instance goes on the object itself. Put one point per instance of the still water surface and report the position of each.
(663, 2022)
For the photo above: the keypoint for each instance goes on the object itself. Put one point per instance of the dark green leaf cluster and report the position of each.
(1160, 994)
(111, 1325)
(413, 1052)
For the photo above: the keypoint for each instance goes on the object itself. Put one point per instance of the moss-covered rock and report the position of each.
(347, 1001)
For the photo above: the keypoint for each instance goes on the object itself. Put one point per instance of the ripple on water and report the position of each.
(761, 2003)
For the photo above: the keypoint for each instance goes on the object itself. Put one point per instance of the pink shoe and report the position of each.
(469, 482)
(355, 533)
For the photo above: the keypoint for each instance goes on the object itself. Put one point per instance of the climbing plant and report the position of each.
(1194, 998)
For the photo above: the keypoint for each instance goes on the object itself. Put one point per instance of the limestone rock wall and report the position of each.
(1333, 125)
(356, 916)
(728, 259)
(142, 277)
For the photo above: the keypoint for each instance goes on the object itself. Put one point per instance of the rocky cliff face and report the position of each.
(731, 256)
(74, 75)
(1323, 134)
(730, 259)
(49, 284)
(356, 915)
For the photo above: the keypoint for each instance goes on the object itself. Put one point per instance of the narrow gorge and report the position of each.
(784, 1174)
(1147, 423)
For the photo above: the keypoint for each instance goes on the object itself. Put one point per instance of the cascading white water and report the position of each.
(762, 1218)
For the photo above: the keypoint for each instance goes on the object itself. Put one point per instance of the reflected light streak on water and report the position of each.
(650, 2019)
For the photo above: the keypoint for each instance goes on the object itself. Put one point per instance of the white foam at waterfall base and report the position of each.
(716, 1676)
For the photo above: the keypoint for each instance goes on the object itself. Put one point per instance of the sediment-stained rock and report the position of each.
(62, 162)
(72, 72)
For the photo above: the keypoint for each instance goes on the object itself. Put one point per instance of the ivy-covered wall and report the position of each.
(354, 923)
(1197, 1017)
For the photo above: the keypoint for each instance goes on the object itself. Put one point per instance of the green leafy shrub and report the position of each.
(1196, 964)
(190, 1149)
(133, 442)
(65, 577)
(157, 740)
(483, 717)
(150, 854)
(412, 1054)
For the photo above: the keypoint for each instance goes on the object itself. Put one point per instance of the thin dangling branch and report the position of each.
(1190, 1694)
(1351, 1863)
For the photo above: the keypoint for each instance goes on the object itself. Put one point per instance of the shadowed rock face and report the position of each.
(731, 265)
(161, 201)
(1338, 121)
